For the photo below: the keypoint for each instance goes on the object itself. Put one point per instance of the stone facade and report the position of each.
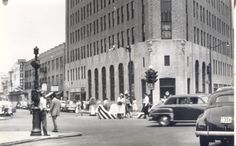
(181, 60)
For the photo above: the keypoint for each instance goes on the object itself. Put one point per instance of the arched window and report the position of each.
(112, 82)
(121, 78)
(203, 77)
(197, 76)
(96, 83)
(89, 83)
(131, 77)
(104, 86)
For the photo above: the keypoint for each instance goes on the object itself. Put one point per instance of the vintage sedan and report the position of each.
(179, 109)
(217, 121)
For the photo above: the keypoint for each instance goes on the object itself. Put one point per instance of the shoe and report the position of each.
(54, 130)
(46, 135)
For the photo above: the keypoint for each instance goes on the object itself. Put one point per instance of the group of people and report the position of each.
(125, 106)
(54, 111)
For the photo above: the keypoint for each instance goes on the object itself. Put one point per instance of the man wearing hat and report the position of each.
(55, 111)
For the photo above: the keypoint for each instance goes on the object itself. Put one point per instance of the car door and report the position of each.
(196, 107)
(181, 111)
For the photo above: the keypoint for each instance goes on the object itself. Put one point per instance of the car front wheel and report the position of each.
(204, 141)
(164, 120)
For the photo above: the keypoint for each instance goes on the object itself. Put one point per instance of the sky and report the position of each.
(26, 24)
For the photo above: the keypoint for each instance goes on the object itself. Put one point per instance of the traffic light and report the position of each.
(151, 76)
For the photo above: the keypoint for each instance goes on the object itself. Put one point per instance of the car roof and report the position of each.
(225, 88)
(189, 95)
(213, 96)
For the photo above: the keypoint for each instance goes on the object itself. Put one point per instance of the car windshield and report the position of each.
(225, 99)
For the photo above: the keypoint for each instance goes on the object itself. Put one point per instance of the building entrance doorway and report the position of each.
(167, 87)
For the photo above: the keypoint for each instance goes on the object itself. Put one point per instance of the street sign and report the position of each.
(44, 87)
(151, 86)
(54, 88)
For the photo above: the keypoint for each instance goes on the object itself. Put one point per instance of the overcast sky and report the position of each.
(25, 24)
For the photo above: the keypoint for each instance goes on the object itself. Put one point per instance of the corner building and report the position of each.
(176, 37)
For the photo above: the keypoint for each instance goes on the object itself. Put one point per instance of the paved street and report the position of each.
(131, 132)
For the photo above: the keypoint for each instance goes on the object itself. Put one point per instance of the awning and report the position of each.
(49, 94)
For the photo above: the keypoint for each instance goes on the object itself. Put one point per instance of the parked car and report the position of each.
(70, 106)
(6, 108)
(217, 121)
(63, 105)
(178, 108)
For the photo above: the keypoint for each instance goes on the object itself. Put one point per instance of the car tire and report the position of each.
(203, 141)
(164, 120)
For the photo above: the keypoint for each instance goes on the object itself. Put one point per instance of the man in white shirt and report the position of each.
(145, 106)
(43, 112)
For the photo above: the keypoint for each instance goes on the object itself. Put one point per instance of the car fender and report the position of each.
(162, 111)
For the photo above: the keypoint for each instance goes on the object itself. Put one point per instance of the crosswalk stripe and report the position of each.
(104, 114)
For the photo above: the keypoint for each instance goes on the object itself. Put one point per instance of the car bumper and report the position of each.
(214, 133)
(71, 109)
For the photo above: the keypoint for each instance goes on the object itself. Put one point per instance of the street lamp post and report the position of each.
(128, 48)
(36, 131)
(209, 68)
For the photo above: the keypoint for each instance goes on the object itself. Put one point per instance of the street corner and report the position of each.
(19, 137)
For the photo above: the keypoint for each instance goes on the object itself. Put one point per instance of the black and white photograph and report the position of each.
(117, 72)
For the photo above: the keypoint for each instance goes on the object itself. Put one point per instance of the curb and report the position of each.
(40, 139)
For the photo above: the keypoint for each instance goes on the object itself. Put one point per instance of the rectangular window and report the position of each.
(118, 40)
(167, 60)
(128, 37)
(97, 27)
(109, 20)
(105, 44)
(113, 40)
(90, 48)
(122, 14)
(122, 38)
(166, 19)
(132, 35)
(101, 23)
(132, 9)
(118, 16)
(97, 47)
(127, 10)
(113, 18)
(101, 46)
(104, 19)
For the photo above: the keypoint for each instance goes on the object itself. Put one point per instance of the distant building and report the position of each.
(16, 81)
(177, 38)
(4, 81)
(51, 70)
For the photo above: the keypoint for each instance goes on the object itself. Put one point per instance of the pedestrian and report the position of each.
(145, 106)
(134, 105)
(121, 106)
(105, 104)
(55, 111)
(128, 105)
(43, 112)
(78, 107)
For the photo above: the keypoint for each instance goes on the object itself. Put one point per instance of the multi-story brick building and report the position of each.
(51, 70)
(176, 37)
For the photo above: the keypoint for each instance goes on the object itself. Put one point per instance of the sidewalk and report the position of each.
(19, 137)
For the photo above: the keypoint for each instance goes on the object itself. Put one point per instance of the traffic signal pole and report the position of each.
(151, 78)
